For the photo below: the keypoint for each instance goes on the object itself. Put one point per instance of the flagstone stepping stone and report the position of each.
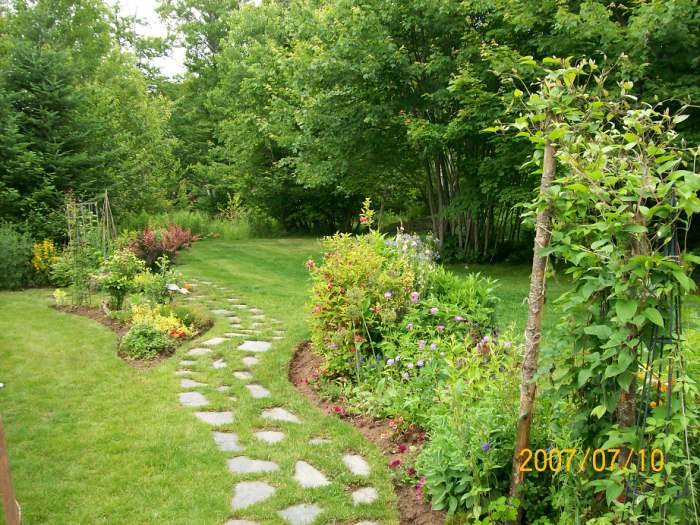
(256, 311)
(255, 346)
(241, 522)
(367, 523)
(236, 326)
(247, 493)
(258, 317)
(242, 375)
(249, 360)
(235, 334)
(221, 312)
(319, 441)
(233, 300)
(187, 362)
(190, 383)
(219, 363)
(239, 306)
(277, 338)
(198, 351)
(206, 282)
(279, 332)
(280, 414)
(215, 418)
(193, 399)
(215, 341)
(227, 441)
(183, 372)
(258, 391)
(364, 496)
(223, 388)
(234, 319)
(245, 465)
(270, 436)
(303, 514)
(257, 325)
(356, 464)
(308, 476)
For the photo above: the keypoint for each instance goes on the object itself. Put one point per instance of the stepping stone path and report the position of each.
(249, 493)
(270, 436)
(258, 391)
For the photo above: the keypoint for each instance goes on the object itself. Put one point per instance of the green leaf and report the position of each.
(612, 491)
(599, 411)
(583, 376)
(625, 310)
(601, 331)
(654, 316)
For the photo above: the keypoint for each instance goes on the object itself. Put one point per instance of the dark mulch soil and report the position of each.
(412, 508)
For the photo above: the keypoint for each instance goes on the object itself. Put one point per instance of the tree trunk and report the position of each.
(533, 332)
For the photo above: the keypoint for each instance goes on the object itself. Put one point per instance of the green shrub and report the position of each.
(15, 258)
(144, 341)
(194, 316)
(117, 276)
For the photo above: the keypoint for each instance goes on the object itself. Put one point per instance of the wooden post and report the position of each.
(12, 511)
(533, 332)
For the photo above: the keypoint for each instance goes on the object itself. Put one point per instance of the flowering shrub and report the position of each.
(44, 256)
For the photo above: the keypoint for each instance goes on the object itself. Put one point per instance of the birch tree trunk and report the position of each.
(528, 389)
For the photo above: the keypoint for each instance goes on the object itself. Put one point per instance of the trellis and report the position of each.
(91, 229)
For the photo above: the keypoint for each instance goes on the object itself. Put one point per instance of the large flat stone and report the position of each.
(234, 319)
(308, 476)
(227, 441)
(303, 514)
(193, 399)
(187, 362)
(183, 372)
(258, 391)
(190, 383)
(215, 418)
(270, 436)
(255, 346)
(215, 341)
(243, 375)
(364, 496)
(198, 351)
(236, 334)
(256, 311)
(219, 363)
(239, 306)
(247, 493)
(356, 464)
(245, 465)
(240, 522)
(280, 414)
(221, 311)
(249, 360)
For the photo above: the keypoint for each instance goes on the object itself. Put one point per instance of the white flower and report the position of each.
(172, 287)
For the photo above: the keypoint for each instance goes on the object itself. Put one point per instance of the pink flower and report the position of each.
(411, 471)
(395, 463)
(402, 448)
(317, 309)
(310, 264)
(414, 297)
(458, 318)
(364, 220)
(409, 326)
(440, 328)
(434, 310)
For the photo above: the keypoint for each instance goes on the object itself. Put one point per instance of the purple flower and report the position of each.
(409, 365)
(485, 447)
(507, 345)
(414, 297)
(548, 450)
(409, 326)
(433, 346)
(421, 344)
(486, 339)
(434, 310)
(388, 295)
(420, 363)
(405, 376)
(389, 362)
(440, 328)
(398, 358)
(332, 346)
(458, 318)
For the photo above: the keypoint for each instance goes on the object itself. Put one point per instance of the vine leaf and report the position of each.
(654, 316)
(625, 310)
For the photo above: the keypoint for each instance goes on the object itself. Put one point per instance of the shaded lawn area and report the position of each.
(92, 440)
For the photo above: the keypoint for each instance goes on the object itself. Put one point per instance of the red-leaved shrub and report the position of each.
(150, 245)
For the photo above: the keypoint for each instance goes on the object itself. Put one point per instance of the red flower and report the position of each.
(411, 471)
(310, 264)
(402, 448)
(395, 463)
(364, 220)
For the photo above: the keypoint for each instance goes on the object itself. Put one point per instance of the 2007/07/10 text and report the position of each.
(556, 460)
